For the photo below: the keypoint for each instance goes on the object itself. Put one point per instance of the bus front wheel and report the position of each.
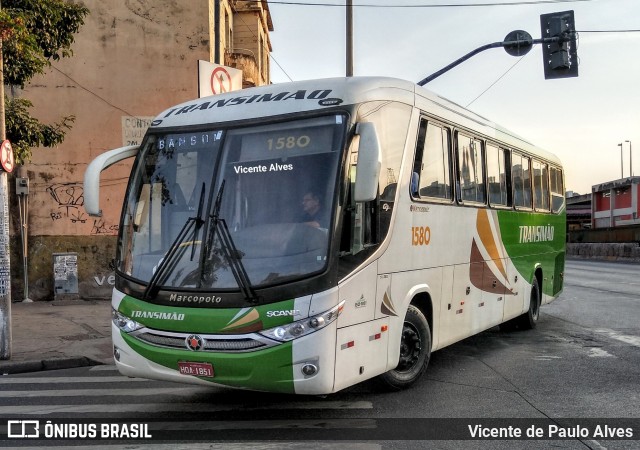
(415, 351)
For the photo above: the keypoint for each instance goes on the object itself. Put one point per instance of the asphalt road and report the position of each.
(582, 361)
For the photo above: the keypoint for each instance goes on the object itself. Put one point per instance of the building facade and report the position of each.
(131, 60)
(615, 204)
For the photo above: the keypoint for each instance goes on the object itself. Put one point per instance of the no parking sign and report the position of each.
(216, 79)
(6, 156)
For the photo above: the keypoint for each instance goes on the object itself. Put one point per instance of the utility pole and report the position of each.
(630, 159)
(349, 37)
(5, 265)
(621, 161)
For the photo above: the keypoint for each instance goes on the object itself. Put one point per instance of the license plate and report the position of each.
(195, 368)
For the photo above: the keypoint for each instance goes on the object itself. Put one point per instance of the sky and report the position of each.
(582, 120)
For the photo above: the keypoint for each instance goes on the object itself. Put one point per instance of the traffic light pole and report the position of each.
(524, 44)
(559, 54)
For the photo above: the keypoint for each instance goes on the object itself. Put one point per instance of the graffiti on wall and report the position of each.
(69, 198)
(101, 227)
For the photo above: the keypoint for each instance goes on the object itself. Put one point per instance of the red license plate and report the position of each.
(195, 368)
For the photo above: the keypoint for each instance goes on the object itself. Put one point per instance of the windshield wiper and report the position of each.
(190, 228)
(199, 221)
(231, 253)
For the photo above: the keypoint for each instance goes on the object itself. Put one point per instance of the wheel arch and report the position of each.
(538, 276)
(422, 300)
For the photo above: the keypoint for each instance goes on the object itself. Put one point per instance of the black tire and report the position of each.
(415, 352)
(528, 320)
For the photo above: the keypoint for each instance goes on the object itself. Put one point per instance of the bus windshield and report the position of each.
(204, 205)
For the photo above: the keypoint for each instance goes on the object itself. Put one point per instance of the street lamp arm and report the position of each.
(458, 61)
(509, 43)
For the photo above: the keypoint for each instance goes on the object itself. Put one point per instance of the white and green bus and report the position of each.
(307, 236)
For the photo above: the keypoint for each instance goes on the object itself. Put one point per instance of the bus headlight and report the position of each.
(294, 330)
(124, 323)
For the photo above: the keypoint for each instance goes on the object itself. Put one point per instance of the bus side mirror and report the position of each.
(369, 163)
(92, 176)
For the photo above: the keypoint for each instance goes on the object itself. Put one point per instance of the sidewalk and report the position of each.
(59, 335)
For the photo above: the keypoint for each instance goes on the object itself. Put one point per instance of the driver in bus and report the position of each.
(312, 211)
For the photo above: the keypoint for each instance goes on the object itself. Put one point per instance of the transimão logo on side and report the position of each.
(542, 233)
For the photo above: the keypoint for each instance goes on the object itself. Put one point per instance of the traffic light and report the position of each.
(559, 58)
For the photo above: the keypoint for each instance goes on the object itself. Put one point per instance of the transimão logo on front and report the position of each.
(290, 312)
(157, 315)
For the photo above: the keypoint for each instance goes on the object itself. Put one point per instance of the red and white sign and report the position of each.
(216, 79)
(6, 157)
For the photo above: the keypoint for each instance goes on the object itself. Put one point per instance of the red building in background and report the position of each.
(615, 203)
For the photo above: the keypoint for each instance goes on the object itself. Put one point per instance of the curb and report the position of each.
(11, 367)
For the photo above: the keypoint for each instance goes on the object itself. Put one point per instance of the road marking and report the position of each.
(43, 380)
(106, 367)
(546, 357)
(631, 340)
(174, 407)
(595, 352)
(103, 392)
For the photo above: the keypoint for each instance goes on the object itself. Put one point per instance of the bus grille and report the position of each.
(212, 343)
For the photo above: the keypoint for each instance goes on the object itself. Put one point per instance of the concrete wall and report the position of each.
(625, 252)
(132, 58)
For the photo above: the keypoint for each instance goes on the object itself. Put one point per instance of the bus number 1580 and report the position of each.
(420, 235)
(288, 142)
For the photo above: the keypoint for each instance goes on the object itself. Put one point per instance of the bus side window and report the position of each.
(432, 168)
(540, 186)
(521, 173)
(557, 190)
(497, 175)
(470, 169)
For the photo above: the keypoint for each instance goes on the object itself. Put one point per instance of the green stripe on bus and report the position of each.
(206, 320)
(269, 370)
(535, 239)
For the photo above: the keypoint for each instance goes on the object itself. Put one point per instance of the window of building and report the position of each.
(521, 180)
(497, 175)
(228, 32)
(432, 166)
(470, 169)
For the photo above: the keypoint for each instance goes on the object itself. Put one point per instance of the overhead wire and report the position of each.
(495, 82)
(441, 5)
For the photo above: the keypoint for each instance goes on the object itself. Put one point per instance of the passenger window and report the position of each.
(540, 186)
(557, 190)
(470, 169)
(432, 173)
(497, 175)
(521, 173)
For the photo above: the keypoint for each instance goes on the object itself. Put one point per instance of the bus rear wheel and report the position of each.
(528, 320)
(415, 352)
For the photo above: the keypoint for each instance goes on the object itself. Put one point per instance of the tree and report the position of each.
(35, 32)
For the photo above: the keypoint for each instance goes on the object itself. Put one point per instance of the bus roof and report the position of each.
(316, 95)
